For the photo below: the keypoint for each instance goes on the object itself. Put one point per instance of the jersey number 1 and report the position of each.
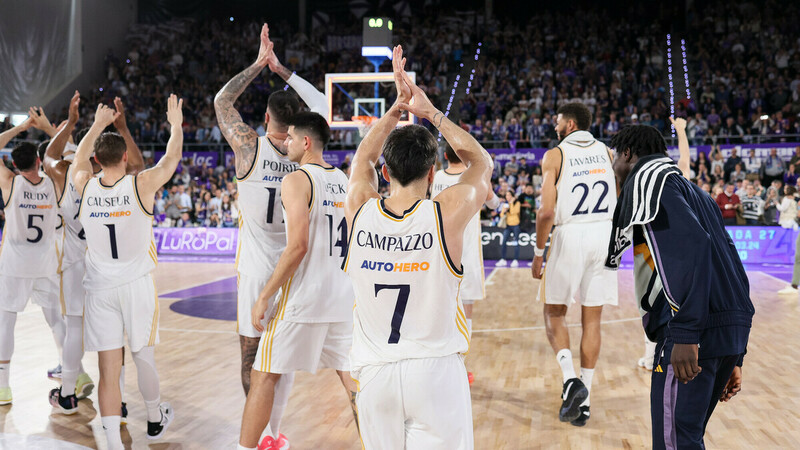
(112, 235)
(399, 308)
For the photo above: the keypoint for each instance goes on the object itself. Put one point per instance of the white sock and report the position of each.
(72, 354)
(282, 391)
(122, 383)
(111, 426)
(55, 320)
(242, 447)
(586, 377)
(148, 382)
(469, 327)
(5, 372)
(564, 358)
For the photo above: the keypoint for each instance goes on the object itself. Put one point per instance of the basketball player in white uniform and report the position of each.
(578, 198)
(410, 332)
(28, 253)
(75, 383)
(261, 165)
(472, 286)
(310, 325)
(121, 300)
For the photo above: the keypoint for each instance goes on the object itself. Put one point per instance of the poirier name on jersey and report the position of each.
(406, 286)
(262, 236)
(119, 234)
(28, 249)
(319, 291)
(586, 186)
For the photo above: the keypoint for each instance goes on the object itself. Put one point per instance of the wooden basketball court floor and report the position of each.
(515, 394)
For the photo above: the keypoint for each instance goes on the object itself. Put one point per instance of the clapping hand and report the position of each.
(174, 110)
(104, 116)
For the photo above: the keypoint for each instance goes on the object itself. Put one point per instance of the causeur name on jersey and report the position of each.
(108, 201)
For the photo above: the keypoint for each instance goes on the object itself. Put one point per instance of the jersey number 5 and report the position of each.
(39, 232)
(399, 308)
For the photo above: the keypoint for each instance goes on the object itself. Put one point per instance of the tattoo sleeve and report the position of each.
(283, 72)
(242, 137)
(249, 347)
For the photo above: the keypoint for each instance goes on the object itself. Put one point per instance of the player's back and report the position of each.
(119, 234)
(472, 249)
(406, 286)
(74, 239)
(262, 235)
(319, 291)
(28, 249)
(586, 185)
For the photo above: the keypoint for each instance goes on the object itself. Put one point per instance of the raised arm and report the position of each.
(55, 167)
(149, 181)
(295, 194)
(135, 159)
(363, 184)
(241, 136)
(41, 121)
(317, 101)
(82, 169)
(6, 175)
(683, 146)
(551, 164)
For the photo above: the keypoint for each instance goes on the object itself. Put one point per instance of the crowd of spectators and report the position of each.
(743, 69)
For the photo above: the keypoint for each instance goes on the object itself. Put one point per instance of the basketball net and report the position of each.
(364, 124)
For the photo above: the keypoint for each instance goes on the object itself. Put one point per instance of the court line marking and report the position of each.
(166, 296)
(488, 281)
(771, 276)
(541, 327)
(186, 330)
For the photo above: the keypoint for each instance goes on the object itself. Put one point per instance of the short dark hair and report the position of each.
(409, 152)
(451, 154)
(313, 125)
(24, 156)
(642, 140)
(790, 189)
(578, 112)
(282, 105)
(80, 134)
(109, 148)
(42, 148)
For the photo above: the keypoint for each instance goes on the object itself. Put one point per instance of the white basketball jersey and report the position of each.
(406, 286)
(74, 242)
(472, 253)
(319, 291)
(262, 236)
(119, 234)
(586, 187)
(28, 249)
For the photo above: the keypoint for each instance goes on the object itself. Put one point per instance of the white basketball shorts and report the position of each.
(286, 347)
(575, 268)
(249, 288)
(130, 309)
(415, 403)
(16, 291)
(73, 294)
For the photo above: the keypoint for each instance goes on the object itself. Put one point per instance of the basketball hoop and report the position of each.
(364, 123)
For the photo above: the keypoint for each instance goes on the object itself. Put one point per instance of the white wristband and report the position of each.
(538, 252)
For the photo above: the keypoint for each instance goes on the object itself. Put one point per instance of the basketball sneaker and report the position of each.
(470, 377)
(157, 429)
(515, 263)
(84, 386)
(5, 396)
(788, 290)
(123, 416)
(270, 443)
(583, 418)
(55, 373)
(573, 394)
(501, 263)
(65, 404)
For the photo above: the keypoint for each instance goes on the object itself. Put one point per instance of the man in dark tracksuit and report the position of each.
(691, 285)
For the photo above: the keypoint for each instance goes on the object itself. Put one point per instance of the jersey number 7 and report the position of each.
(399, 308)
